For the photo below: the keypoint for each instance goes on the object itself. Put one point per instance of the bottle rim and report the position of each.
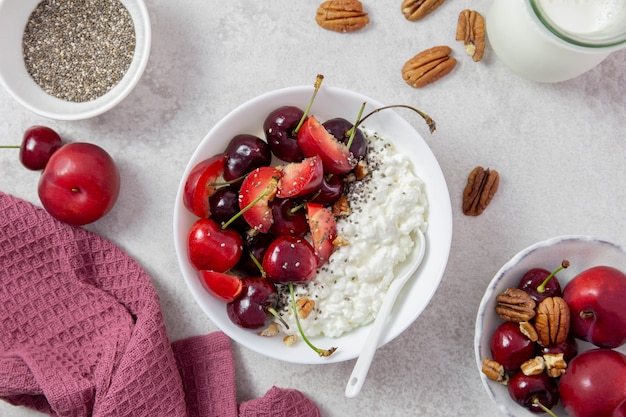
(599, 41)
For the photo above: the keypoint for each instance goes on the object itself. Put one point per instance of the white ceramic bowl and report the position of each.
(330, 102)
(14, 15)
(582, 252)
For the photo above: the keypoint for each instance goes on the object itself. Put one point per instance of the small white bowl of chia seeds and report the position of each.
(72, 59)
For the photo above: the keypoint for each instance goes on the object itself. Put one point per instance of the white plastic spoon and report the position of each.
(405, 272)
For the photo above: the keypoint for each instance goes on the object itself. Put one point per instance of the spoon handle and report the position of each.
(362, 366)
(364, 361)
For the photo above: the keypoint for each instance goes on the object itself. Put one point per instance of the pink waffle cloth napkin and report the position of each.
(82, 333)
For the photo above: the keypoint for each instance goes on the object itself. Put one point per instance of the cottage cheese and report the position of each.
(387, 208)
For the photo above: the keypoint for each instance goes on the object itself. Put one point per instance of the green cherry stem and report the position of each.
(246, 208)
(9, 147)
(429, 121)
(353, 128)
(321, 352)
(543, 407)
(316, 85)
(542, 287)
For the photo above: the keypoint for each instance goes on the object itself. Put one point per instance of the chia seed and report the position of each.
(78, 50)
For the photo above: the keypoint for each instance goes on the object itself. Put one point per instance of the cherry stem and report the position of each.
(300, 206)
(542, 287)
(231, 182)
(246, 208)
(321, 352)
(258, 264)
(317, 85)
(353, 128)
(9, 147)
(543, 407)
(586, 314)
(274, 313)
(429, 121)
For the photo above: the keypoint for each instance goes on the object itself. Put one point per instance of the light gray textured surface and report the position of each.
(560, 150)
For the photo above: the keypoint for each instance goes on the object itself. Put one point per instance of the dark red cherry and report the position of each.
(244, 154)
(289, 218)
(38, 145)
(224, 205)
(530, 390)
(252, 308)
(510, 347)
(279, 127)
(256, 246)
(330, 190)
(569, 349)
(540, 283)
(339, 128)
(290, 259)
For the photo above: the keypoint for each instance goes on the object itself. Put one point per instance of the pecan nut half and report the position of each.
(515, 305)
(428, 66)
(471, 30)
(417, 9)
(482, 185)
(341, 15)
(552, 321)
(494, 371)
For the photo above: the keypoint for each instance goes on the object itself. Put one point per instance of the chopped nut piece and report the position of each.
(341, 15)
(515, 305)
(305, 305)
(269, 331)
(360, 170)
(494, 371)
(340, 241)
(418, 9)
(341, 207)
(552, 321)
(482, 185)
(471, 30)
(290, 340)
(555, 364)
(428, 66)
(528, 330)
(533, 366)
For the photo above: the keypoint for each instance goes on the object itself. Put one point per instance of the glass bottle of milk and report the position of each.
(555, 40)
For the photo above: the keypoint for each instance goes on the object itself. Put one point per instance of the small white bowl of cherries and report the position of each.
(551, 330)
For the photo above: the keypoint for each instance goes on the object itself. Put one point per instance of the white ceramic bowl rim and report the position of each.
(329, 102)
(15, 79)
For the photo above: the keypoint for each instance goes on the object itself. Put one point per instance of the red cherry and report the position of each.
(289, 218)
(540, 283)
(252, 308)
(314, 139)
(510, 347)
(255, 194)
(323, 230)
(200, 184)
(223, 286)
(300, 178)
(38, 145)
(289, 259)
(213, 248)
(532, 390)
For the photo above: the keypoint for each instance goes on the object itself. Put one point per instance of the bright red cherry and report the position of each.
(213, 248)
(38, 145)
(510, 347)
